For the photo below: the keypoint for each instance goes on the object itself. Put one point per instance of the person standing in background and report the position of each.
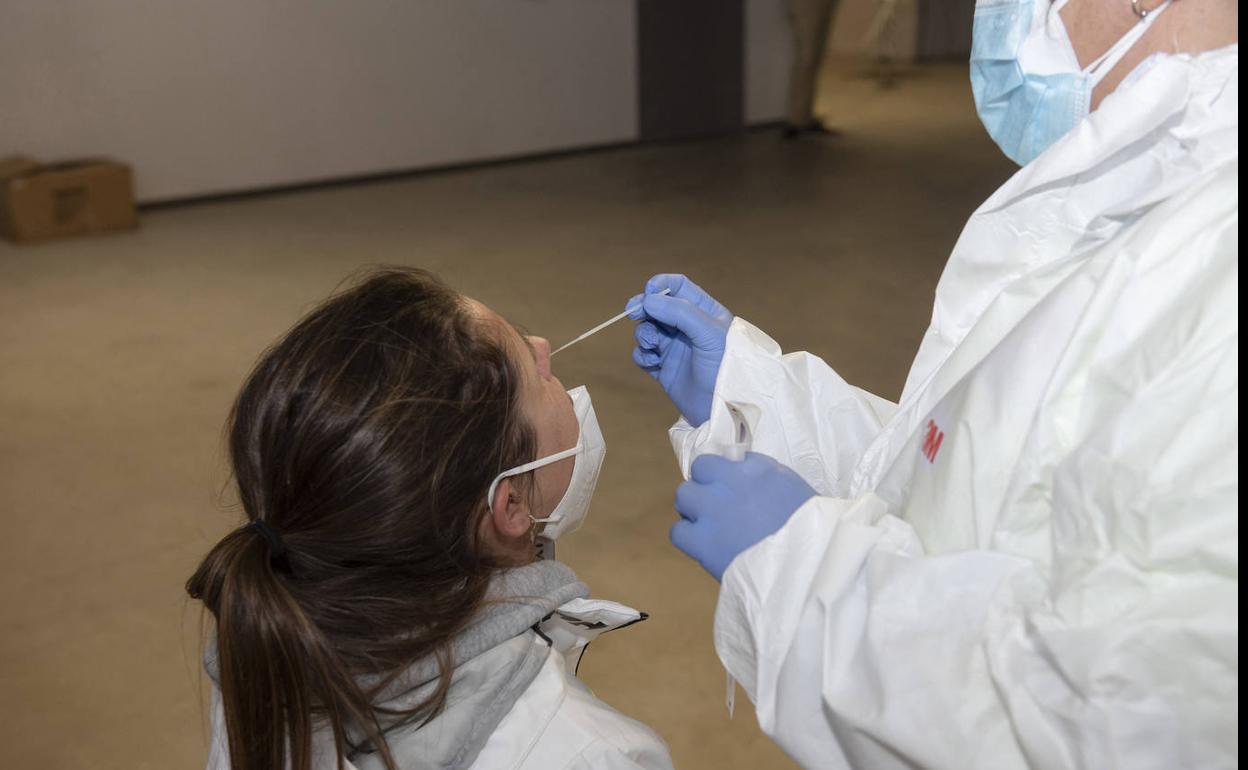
(811, 22)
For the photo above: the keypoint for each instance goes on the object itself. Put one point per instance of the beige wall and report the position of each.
(223, 95)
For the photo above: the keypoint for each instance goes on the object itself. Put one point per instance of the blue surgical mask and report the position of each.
(1029, 88)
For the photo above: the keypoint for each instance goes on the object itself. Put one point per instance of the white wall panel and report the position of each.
(768, 57)
(225, 95)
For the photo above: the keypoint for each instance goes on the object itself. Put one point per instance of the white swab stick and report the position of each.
(602, 325)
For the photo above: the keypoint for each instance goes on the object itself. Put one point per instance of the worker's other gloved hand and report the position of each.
(680, 341)
(728, 506)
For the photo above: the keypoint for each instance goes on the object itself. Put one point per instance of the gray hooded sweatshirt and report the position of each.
(495, 661)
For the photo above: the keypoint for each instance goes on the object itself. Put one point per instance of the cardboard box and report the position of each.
(39, 201)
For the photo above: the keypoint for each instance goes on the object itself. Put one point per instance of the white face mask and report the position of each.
(589, 452)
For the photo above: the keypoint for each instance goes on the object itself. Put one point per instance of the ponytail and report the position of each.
(363, 555)
(278, 672)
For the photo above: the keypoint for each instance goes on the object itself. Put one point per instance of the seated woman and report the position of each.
(401, 455)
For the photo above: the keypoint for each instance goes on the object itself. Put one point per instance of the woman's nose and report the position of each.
(542, 346)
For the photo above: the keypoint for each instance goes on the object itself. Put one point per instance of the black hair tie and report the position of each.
(277, 548)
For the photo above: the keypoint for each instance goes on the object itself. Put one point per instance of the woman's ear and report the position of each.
(510, 514)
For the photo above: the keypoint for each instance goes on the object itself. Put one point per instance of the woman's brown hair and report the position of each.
(365, 439)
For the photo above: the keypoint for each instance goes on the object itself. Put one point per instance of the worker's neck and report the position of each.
(1186, 26)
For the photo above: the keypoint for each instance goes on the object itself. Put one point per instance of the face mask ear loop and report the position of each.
(1105, 63)
(489, 495)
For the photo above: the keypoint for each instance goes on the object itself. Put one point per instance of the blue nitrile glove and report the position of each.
(680, 341)
(726, 506)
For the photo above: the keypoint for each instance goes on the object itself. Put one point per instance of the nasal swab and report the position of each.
(603, 325)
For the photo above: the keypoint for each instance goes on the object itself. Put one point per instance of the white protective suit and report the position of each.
(1033, 559)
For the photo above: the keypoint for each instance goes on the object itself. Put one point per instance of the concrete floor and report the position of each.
(119, 357)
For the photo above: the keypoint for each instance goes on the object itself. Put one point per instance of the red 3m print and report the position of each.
(931, 442)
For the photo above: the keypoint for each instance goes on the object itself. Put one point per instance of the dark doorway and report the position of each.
(691, 57)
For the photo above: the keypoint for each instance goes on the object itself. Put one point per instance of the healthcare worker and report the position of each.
(1031, 560)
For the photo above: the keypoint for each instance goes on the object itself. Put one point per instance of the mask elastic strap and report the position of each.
(1106, 62)
(556, 457)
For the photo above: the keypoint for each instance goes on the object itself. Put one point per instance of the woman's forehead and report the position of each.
(513, 337)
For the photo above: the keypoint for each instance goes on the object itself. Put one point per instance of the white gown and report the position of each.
(1033, 559)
